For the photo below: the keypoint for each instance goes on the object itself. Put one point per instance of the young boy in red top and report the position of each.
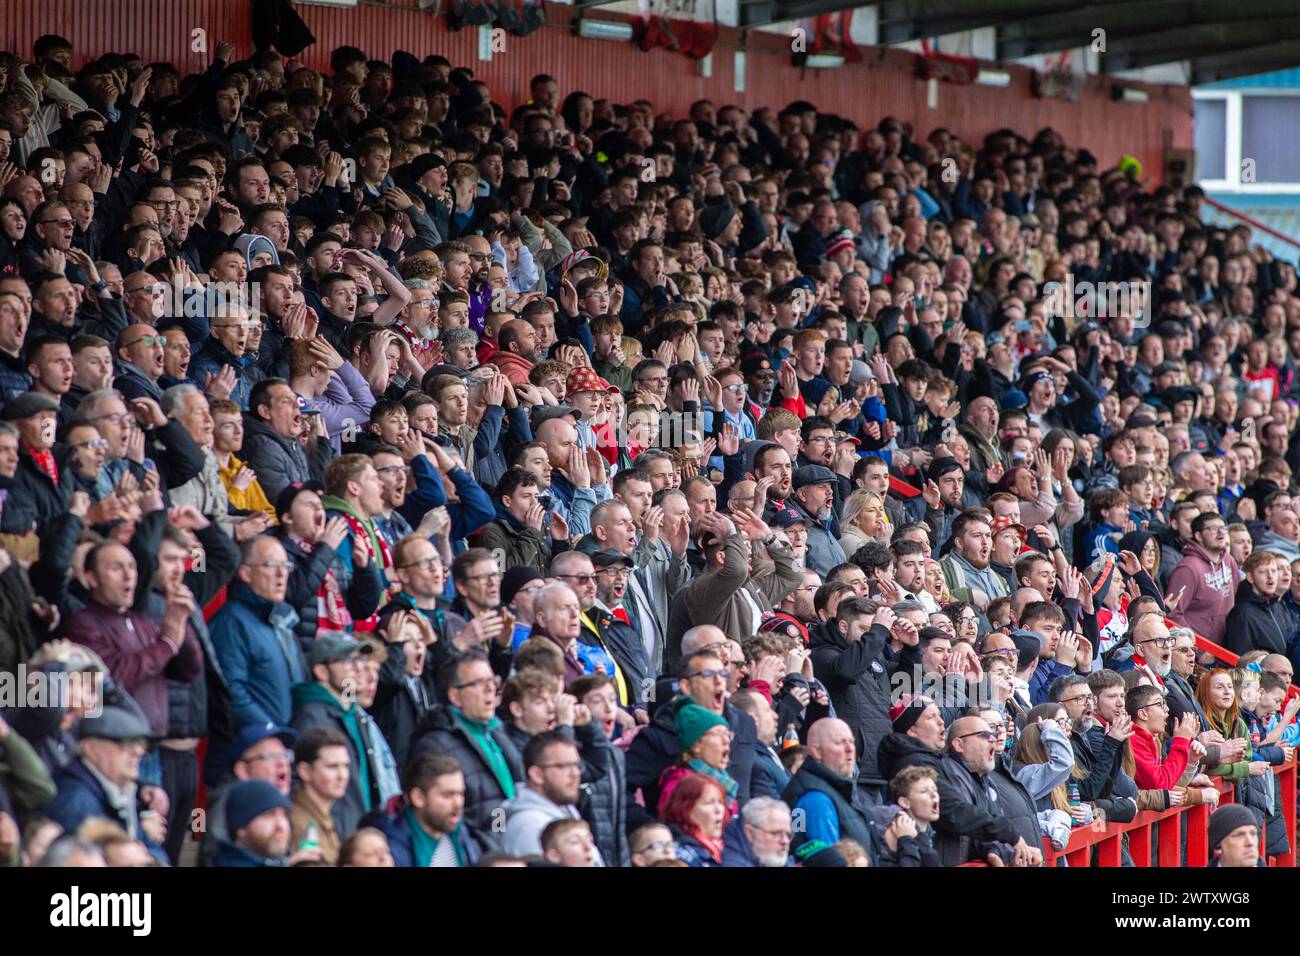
(1146, 705)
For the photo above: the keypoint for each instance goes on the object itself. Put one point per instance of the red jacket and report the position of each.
(137, 656)
(515, 367)
(1151, 773)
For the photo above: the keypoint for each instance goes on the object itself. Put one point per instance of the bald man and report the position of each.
(825, 790)
(971, 824)
(572, 495)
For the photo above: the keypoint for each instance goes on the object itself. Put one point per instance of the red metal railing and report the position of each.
(1250, 221)
(1102, 845)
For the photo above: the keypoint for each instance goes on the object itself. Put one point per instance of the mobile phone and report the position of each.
(4, 497)
(150, 465)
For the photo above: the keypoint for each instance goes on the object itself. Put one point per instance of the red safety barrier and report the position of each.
(1108, 839)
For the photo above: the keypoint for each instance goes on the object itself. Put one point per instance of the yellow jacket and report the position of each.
(252, 498)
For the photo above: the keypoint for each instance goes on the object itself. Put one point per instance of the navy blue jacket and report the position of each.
(82, 796)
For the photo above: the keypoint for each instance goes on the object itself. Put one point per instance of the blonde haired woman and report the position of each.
(864, 520)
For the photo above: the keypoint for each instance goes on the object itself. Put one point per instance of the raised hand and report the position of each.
(750, 524)
(787, 379)
(729, 439)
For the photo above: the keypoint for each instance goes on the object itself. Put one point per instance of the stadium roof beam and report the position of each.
(758, 13)
(1220, 40)
(1131, 25)
(1244, 62)
(902, 20)
(1174, 45)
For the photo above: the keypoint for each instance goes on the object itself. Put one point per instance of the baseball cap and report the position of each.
(330, 648)
(253, 734)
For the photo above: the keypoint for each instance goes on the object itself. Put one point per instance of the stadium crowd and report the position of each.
(446, 486)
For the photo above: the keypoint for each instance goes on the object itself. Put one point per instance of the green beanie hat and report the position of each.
(693, 721)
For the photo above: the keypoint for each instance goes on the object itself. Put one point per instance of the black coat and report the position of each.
(1016, 803)
(441, 731)
(399, 708)
(857, 678)
(899, 751)
(971, 822)
(655, 749)
(1255, 623)
(36, 492)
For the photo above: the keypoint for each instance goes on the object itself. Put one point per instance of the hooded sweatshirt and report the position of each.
(1210, 585)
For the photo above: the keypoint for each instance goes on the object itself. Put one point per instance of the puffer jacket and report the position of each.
(442, 731)
(972, 823)
(527, 815)
(279, 461)
(213, 357)
(857, 678)
(603, 803)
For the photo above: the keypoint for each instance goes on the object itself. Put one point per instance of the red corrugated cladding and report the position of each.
(883, 85)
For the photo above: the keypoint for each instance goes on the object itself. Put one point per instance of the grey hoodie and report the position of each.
(527, 815)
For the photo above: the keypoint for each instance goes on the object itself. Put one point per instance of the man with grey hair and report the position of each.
(168, 447)
(206, 491)
(70, 850)
(224, 349)
(760, 836)
(557, 616)
(418, 320)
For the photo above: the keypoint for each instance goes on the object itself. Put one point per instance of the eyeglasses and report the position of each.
(479, 256)
(722, 733)
(1162, 704)
(93, 443)
(117, 418)
(285, 755)
(390, 470)
(483, 683)
(739, 388)
(656, 381)
(1082, 698)
(986, 734)
(658, 847)
(711, 675)
(1159, 641)
(61, 223)
(154, 289)
(476, 578)
(615, 571)
(424, 564)
(148, 341)
(821, 440)
(273, 565)
(783, 835)
(580, 578)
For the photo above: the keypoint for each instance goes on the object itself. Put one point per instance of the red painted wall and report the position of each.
(884, 84)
